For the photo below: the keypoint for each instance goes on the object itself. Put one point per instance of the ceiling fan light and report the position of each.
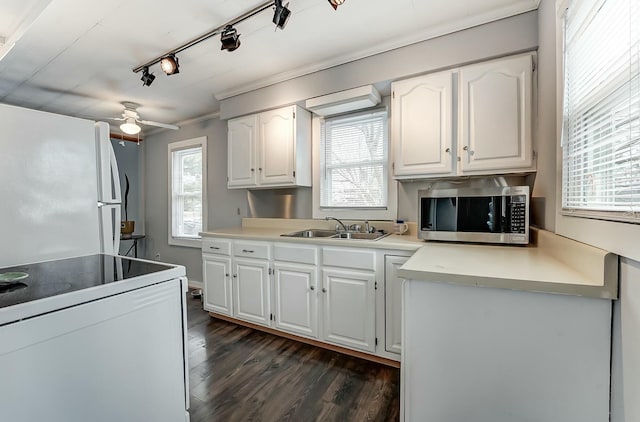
(281, 14)
(170, 65)
(147, 78)
(335, 3)
(130, 127)
(230, 39)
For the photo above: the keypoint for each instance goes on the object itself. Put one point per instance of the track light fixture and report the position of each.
(147, 78)
(230, 39)
(335, 3)
(281, 14)
(169, 64)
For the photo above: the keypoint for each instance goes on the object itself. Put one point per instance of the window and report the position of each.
(187, 181)
(354, 159)
(601, 116)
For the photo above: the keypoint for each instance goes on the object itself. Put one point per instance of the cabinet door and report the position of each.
(349, 308)
(251, 291)
(217, 284)
(276, 147)
(495, 115)
(421, 122)
(393, 303)
(241, 158)
(296, 299)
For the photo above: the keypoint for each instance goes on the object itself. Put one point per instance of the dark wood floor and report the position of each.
(240, 374)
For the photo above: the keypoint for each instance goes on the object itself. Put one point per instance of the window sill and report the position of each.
(186, 242)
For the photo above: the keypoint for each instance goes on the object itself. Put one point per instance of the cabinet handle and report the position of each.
(466, 148)
(447, 150)
(226, 275)
(312, 287)
(259, 168)
(214, 247)
(247, 251)
(253, 169)
(235, 276)
(324, 290)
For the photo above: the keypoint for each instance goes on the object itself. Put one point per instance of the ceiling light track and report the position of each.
(217, 31)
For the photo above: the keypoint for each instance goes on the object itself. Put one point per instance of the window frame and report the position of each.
(625, 217)
(360, 213)
(193, 242)
(616, 237)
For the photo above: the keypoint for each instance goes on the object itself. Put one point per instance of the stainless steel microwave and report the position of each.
(485, 215)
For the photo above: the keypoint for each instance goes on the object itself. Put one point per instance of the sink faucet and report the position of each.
(341, 223)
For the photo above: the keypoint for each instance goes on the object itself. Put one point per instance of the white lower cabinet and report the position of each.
(217, 284)
(333, 295)
(251, 291)
(295, 298)
(349, 308)
(393, 303)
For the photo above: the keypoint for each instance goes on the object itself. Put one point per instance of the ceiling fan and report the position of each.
(131, 120)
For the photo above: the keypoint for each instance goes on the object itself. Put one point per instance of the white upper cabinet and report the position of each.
(421, 125)
(270, 149)
(495, 115)
(492, 113)
(277, 147)
(241, 161)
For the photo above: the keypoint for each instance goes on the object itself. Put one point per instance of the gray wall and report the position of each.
(223, 204)
(510, 35)
(130, 159)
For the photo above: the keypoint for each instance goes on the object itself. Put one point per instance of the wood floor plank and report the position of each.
(241, 374)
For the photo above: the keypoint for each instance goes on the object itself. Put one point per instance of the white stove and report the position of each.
(97, 337)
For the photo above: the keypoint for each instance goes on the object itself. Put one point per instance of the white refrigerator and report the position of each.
(85, 335)
(59, 187)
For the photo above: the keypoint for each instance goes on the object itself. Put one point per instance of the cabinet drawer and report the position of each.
(251, 249)
(349, 258)
(216, 246)
(295, 253)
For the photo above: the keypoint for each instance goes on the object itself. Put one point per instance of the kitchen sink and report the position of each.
(311, 233)
(332, 234)
(360, 236)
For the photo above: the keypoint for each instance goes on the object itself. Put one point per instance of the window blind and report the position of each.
(601, 136)
(187, 192)
(354, 161)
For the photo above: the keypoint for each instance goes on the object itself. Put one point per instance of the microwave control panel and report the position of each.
(518, 214)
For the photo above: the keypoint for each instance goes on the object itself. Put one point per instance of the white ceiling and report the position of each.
(76, 57)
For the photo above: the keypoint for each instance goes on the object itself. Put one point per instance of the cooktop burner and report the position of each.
(46, 279)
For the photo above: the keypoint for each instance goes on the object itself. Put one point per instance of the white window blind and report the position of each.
(354, 161)
(186, 192)
(601, 137)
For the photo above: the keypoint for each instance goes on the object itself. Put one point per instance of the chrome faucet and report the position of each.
(341, 223)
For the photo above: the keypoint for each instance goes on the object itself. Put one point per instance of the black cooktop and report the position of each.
(52, 278)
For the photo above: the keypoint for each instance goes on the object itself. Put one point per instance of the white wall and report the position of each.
(223, 203)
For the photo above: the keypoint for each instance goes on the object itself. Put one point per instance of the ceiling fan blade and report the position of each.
(158, 124)
(116, 118)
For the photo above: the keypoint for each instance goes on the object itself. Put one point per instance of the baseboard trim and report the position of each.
(195, 284)
(332, 347)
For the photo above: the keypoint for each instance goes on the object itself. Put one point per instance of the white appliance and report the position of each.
(60, 187)
(84, 334)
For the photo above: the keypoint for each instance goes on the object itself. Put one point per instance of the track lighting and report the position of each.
(147, 78)
(169, 64)
(281, 14)
(130, 126)
(335, 3)
(230, 39)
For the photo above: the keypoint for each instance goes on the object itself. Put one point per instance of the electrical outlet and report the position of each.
(157, 257)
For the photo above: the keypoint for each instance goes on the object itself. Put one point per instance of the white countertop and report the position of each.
(551, 264)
